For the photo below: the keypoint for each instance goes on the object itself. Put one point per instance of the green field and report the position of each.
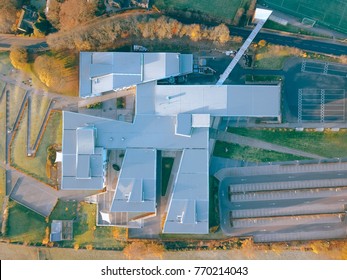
(36, 166)
(24, 225)
(326, 144)
(331, 13)
(250, 154)
(220, 9)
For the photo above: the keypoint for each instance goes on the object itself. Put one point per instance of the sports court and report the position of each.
(332, 13)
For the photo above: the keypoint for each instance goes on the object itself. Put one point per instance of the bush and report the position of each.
(19, 57)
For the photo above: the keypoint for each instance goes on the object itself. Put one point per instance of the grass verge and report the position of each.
(290, 28)
(16, 96)
(250, 154)
(39, 107)
(3, 129)
(327, 144)
(2, 189)
(263, 79)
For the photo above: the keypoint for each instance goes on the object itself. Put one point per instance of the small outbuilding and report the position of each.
(61, 230)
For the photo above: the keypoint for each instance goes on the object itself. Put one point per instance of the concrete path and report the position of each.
(247, 141)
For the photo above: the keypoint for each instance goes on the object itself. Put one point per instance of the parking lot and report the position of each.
(314, 92)
(291, 203)
(321, 105)
(324, 68)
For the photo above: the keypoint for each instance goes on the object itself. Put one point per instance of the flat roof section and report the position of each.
(137, 182)
(189, 203)
(226, 100)
(106, 71)
(82, 161)
(147, 131)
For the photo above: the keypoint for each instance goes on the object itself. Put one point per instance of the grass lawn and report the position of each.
(327, 144)
(263, 78)
(273, 63)
(39, 106)
(64, 210)
(5, 64)
(166, 171)
(25, 225)
(2, 189)
(36, 166)
(87, 233)
(2, 129)
(16, 96)
(221, 9)
(246, 153)
(331, 13)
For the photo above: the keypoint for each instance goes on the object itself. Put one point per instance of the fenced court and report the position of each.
(332, 13)
(321, 105)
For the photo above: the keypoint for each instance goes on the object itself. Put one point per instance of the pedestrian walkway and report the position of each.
(247, 141)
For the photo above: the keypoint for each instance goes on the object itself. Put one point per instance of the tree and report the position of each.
(220, 33)
(238, 16)
(53, 13)
(72, 13)
(19, 57)
(262, 43)
(51, 71)
(8, 9)
(251, 8)
(140, 250)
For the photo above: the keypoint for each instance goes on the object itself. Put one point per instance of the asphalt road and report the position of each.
(7, 40)
(305, 44)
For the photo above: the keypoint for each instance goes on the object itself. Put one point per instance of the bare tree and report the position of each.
(8, 9)
(72, 12)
